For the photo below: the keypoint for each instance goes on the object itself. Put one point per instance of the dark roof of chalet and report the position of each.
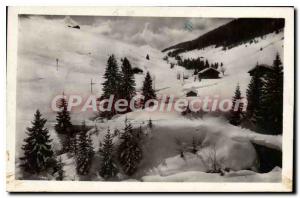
(206, 69)
(191, 90)
(265, 66)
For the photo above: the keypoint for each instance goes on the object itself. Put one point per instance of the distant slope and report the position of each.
(231, 34)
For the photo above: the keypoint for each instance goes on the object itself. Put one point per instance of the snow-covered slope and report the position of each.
(82, 55)
(238, 176)
(237, 62)
(231, 146)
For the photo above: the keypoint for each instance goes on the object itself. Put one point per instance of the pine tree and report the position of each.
(111, 85)
(147, 57)
(60, 170)
(112, 78)
(38, 154)
(253, 97)
(73, 145)
(63, 125)
(129, 151)
(108, 168)
(206, 64)
(127, 90)
(150, 123)
(236, 113)
(269, 116)
(85, 152)
(148, 91)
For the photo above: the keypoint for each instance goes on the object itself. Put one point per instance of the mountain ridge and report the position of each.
(231, 34)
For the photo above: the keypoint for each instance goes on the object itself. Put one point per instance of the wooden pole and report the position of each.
(57, 64)
(92, 86)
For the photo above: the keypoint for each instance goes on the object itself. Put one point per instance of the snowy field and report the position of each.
(84, 57)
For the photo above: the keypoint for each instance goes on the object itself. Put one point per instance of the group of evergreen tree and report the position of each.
(265, 99)
(85, 151)
(38, 154)
(196, 64)
(129, 152)
(121, 84)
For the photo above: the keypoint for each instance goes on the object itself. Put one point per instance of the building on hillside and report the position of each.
(191, 93)
(209, 73)
(260, 70)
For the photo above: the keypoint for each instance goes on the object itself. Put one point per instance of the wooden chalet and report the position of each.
(260, 70)
(209, 73)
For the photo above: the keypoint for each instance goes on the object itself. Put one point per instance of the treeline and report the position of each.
(196, 64)
(231, 34)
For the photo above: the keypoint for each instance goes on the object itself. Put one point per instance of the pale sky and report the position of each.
(157, 32)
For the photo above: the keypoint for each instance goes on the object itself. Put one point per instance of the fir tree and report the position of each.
(127, 90)
(108, 168)
(63, 125)
(85, 152)
(148, 91)
(147, 57)
(112, 78)
(150, 125)
(236, 113)
(60, 170)
(111, 85)
(73, 145)
(270, 113)
(129, 151)
(38, 154)
(253, 97)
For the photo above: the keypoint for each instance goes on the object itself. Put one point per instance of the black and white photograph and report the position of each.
(133, 97)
